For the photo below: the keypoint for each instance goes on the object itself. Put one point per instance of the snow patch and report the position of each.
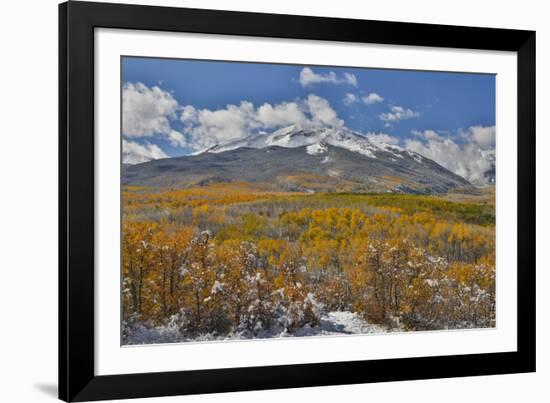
(298, 136)
(217, 287)
(417, 157)
(331, 323)
(392, 149)
(316, 149)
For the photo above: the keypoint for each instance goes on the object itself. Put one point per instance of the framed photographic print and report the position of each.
(258, 201)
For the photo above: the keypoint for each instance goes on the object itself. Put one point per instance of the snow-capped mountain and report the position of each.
(315, 138)
(305, 160)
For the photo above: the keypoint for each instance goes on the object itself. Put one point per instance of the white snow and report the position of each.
(316, 148)
(392, 149)
(331, 323)
(316, 140)
(417, 157)
(432, 283)
(217, 287)
(345, 322)
(316, 137)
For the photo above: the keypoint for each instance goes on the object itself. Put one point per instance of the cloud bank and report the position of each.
(473, 158)
(146, 111)
(382, 138)
(135, 153)
(149, 112)
(205, 128)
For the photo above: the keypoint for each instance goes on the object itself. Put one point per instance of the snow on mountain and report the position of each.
(316, 140)
(316, 148)
(288, 158)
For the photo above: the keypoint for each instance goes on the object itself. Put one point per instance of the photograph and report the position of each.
(242, 202)
(272, 200)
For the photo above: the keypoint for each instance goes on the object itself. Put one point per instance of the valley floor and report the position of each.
(239, 261)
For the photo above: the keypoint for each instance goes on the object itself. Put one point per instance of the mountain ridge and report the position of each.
(296, 136)
(299, 159)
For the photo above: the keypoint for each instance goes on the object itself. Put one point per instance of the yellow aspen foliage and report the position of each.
(240, 257)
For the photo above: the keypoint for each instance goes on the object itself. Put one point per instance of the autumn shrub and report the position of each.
(232, 259)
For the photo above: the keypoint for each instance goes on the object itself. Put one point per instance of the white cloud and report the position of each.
(204, 128)
(372, 98)
(471, 159)
(146, 111)
(149, 112)
(177, 139)
(322, 113)
(369, 99)
(309, 77)
(283, 114)
(382, 138)
(188, 114)
(350, 78)
(135, 153)
(428, 135)
(398, 113)
(350, 98)
(484, 136)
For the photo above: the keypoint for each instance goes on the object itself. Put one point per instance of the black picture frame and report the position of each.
(77, 379)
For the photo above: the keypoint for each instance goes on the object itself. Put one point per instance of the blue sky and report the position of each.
(402, 104)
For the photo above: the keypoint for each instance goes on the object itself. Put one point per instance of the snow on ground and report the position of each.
(332, 323)
(335, 323)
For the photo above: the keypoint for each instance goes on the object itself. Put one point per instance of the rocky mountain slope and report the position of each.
(301, 159)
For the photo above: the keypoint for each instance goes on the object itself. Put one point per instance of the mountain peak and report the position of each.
(316, 166)
(298, 136)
